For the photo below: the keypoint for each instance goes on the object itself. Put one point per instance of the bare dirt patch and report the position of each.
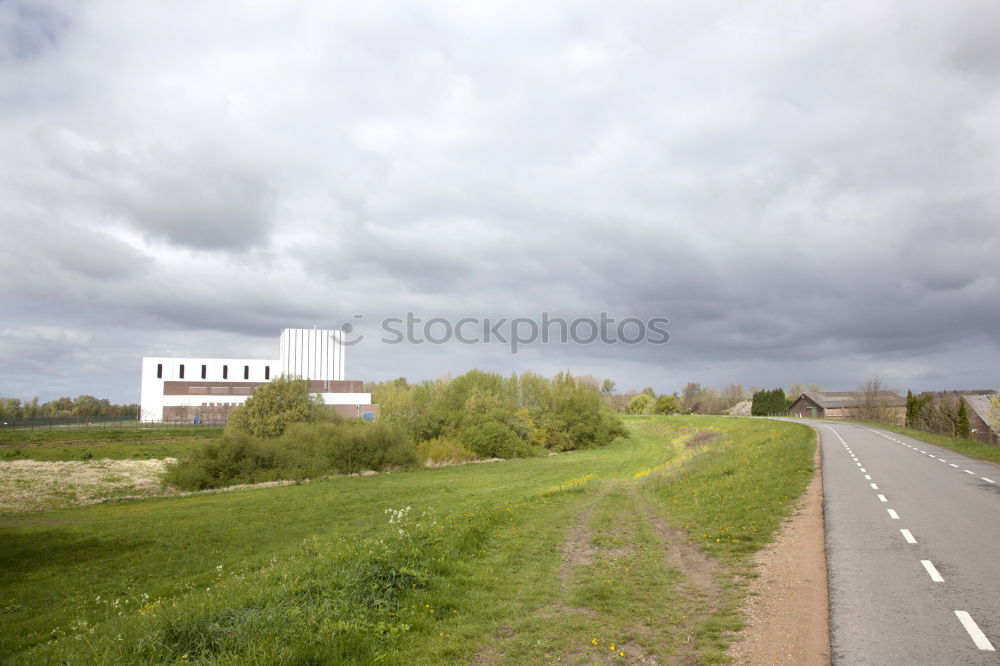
(31, 485)
(787, 613)
(702, 438)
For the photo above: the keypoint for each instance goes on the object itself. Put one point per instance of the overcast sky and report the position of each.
(808, 191)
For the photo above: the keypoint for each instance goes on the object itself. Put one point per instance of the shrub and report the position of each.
(305, 450)
(272, 407)
(489, 414)
(492, 439)
(666, 404)
(640, 404)
(587, 420)
(443, 450)
(353, 446)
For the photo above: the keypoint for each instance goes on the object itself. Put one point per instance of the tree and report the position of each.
(274, 406)
(31, 408)
(962, 428)
(769, 403)
(649, 391)
(640, 404)
(607, 387)
(937, 413)
(795, 390)
(872, 404)
(733, 395)
(666, 404)
(995, 411)
(690, 396)
(10, 408)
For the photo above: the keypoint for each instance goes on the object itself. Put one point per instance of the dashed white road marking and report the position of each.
(864, 471)
(868, 476)
(858, 464)
(975, 633)
(953, 465)
(881, 498)
(931, 571)
(909, 537)
(968, 471)
(893, 514)
(987, 480)
(942, 460)
(874, 486)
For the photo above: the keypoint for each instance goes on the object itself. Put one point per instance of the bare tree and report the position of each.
(732, 395)
(690, 396)
(872, 403)
(795, 390)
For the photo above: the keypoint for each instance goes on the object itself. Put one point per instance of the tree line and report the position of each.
(84, 407)
(694, 398)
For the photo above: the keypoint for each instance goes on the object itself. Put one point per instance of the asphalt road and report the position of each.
(913, 550)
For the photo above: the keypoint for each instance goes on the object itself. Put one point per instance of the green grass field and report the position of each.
(524, 561)
(88, 435)
(82, 444)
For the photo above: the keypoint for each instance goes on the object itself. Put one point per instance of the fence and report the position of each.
(69, 422)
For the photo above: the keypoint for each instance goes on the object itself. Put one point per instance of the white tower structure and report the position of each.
(207, 389)
(312, 353)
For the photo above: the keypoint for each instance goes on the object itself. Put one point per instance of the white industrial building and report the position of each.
(207, 389)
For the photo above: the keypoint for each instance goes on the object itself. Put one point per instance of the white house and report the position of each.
(207, 389)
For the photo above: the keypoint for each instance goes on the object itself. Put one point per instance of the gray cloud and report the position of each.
(29, 29)
(193, 197)
(808, 193)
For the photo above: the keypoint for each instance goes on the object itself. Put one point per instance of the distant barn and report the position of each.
(855, 405)
(980, 425)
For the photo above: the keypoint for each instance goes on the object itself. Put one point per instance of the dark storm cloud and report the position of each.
(807, 192)
(29, 29)
(192, 197)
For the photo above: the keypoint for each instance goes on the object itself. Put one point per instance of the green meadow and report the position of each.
(83, 444)
(636, 551)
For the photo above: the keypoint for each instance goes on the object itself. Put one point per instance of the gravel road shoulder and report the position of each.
(788, 611)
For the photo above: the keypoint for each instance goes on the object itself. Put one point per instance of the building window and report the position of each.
(225, 372)
(267, 372)
(159, 371)
(204, 371)
(180, 372)
(246, 372)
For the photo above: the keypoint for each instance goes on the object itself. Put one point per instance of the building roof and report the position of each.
(835, 399)
(980, 404)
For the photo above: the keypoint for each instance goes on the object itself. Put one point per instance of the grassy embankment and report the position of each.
(524, 561)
